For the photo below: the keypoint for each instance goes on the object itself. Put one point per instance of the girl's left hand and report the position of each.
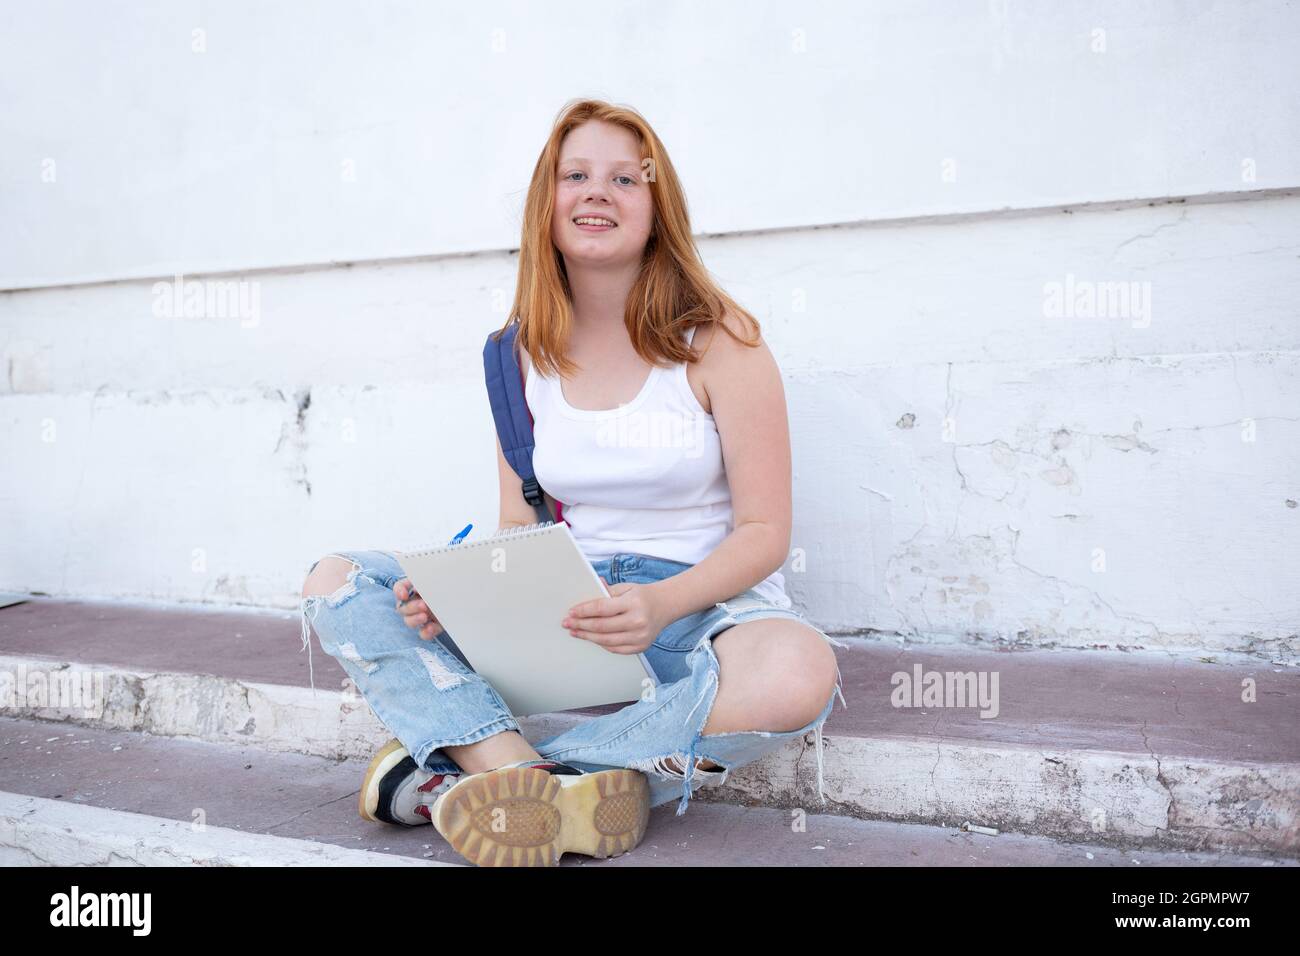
(627, 622)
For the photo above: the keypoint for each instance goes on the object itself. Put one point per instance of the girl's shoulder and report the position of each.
(525, 365)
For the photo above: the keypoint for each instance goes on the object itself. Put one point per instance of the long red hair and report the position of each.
(673, 291)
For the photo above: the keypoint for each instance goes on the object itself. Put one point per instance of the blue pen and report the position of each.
(456, 540)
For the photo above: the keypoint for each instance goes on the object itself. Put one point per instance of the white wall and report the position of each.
(968, 466)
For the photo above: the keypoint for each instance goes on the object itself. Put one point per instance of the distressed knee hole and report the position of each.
(310, 606)
(671, 765)
(344, 590)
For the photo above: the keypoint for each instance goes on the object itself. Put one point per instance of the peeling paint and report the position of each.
(1061, 476)
(295, 436)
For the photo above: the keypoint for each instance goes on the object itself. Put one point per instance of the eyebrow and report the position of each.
(582, 159)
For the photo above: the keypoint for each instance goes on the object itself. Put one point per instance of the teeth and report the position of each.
(590, 221)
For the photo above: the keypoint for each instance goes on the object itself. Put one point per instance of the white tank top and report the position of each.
(646, 477)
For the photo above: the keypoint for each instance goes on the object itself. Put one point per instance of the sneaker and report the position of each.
(397, 790)
(531, 812)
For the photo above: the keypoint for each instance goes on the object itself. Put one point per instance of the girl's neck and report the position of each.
(600, 298)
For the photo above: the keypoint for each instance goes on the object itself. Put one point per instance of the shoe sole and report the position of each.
(389, 756)
(524, 816)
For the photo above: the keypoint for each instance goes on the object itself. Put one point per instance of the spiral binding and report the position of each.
(519, 532)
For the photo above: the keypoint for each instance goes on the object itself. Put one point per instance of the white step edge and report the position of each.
(35, 831)
(1069, 794)
(277, 717)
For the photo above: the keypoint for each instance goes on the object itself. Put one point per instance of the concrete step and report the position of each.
(1108, 747)
(90, 796)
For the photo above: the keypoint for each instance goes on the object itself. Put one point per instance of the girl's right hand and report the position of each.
(415, 613)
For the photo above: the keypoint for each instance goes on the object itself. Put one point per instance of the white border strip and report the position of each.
(35, 831)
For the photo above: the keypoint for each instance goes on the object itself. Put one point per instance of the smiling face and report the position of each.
(598, 183)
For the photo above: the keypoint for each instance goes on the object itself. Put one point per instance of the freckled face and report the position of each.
(599, 175)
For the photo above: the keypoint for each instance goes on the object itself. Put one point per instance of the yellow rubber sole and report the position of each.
(391, 754)
(524, 816)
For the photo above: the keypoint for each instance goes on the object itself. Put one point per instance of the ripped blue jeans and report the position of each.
(428, 697)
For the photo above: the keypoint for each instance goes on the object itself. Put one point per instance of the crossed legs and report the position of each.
(774, 674)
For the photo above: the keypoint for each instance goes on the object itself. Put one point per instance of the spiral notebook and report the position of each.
(501, 601)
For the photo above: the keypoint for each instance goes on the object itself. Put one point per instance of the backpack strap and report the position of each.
(505, 386)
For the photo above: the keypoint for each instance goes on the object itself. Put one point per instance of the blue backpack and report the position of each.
(505, 386)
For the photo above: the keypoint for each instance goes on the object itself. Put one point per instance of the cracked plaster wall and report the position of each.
(968, 464)
(965, 468)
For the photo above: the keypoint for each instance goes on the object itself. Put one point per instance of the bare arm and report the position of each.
(747, 400)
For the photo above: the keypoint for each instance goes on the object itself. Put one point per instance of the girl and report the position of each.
(662, 440)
